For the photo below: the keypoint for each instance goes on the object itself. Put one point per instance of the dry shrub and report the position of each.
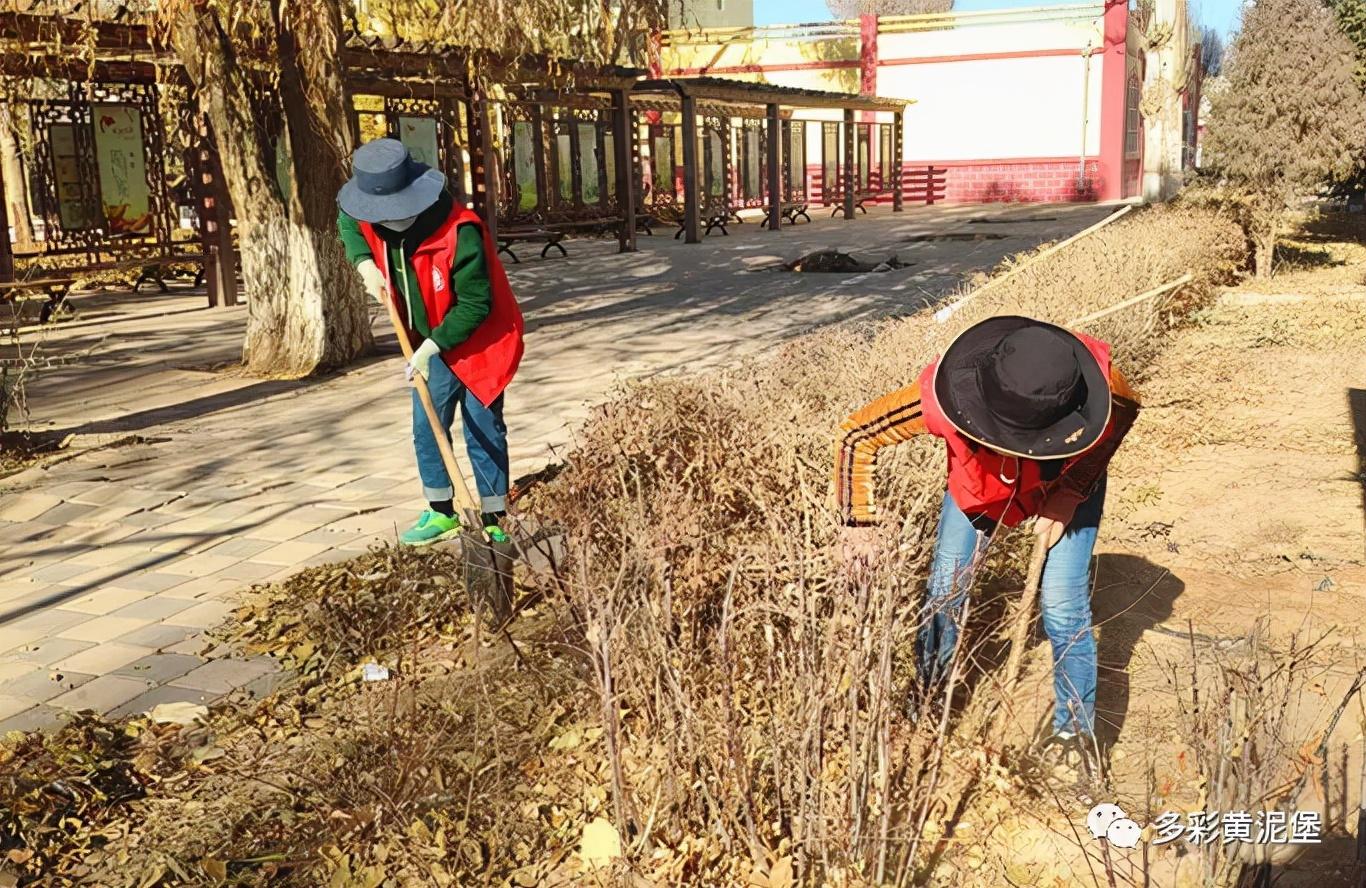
(760, 684)
(1246, 708)
(745, 715)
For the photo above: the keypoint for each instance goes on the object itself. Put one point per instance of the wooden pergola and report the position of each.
(543, 145)
(705, 106)
(399, 88)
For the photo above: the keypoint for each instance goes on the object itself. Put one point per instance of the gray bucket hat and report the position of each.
(387, 184)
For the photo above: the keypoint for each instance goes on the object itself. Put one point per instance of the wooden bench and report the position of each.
(790, 211)
(719, 219)
(509, 236)
(601, 225)
(859, 198)
(151, 269)
(552, 232)
(55, 288)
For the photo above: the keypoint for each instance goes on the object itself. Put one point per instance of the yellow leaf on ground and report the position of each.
(781, 874)
(567, 740)
(600, 842)
(178, 713)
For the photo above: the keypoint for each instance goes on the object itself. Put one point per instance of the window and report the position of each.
(1133, 122)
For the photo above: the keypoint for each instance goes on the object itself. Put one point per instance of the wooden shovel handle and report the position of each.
(1024, 614)
(443, 443)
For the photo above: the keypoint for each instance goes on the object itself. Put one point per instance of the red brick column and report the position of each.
(867, 55)
(1113, 60)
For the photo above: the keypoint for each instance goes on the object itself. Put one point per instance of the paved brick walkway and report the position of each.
(189, 484)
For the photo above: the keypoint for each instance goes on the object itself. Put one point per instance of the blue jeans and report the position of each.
(1065, 599)
(486, 440)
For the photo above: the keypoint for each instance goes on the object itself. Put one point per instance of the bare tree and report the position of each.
(1211, 51)
(846, 9)
(1291, 115)
(16, 186)
(586, 30)
(269, 72)
(306, 311)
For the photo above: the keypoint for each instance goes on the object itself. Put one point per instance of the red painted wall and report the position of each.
(1038, 180)
(867, 55)
(1022, 180)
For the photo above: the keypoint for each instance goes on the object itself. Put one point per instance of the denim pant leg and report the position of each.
(950, 575)
(445, 390)
(486, 442)
(1065, 599)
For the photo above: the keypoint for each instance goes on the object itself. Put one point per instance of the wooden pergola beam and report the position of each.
(850, 173)
(897, 147)
(625, 169)
(775, 169)
(101, 71)
(740, 93)
(691, 214)
(368, 84)
(37, 28)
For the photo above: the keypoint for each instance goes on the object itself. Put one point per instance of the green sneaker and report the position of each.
(431, 527)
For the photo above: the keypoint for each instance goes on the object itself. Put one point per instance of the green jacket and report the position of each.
(469, 273)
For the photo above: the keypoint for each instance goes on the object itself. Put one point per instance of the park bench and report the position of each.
(790, 211)
(57, 287)
(552, 233)
(509, 236)
(859, 198)
(592, 226)
(54, 288)
(715, 220)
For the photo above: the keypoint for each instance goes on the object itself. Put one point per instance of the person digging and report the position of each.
(412, 242)
(1030, 414)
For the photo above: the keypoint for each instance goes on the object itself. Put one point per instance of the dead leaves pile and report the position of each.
(342, 614)
(469, 765)
(64, 796)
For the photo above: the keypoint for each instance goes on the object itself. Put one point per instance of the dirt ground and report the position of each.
(1236, 508)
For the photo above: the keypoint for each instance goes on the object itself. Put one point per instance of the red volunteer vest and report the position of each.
(488, 359)
(1006, 489)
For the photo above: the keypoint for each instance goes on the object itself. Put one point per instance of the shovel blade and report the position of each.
(488, 575)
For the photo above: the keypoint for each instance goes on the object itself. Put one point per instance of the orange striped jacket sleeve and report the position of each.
(889, 420)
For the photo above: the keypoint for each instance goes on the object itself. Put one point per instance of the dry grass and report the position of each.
(702, 673)
(764, 685)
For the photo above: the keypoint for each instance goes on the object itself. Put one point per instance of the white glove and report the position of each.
(421, 358)
(372, 279)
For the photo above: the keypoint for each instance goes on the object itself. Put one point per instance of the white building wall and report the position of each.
(998, 108)
(978, 106)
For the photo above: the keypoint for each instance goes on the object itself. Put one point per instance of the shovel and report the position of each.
(487, 563)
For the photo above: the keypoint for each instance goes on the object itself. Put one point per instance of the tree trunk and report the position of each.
(16, 183)
(1265, 250)
(306, 311)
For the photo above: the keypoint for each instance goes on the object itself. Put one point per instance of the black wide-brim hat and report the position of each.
(387, 184)
(1023, 387)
